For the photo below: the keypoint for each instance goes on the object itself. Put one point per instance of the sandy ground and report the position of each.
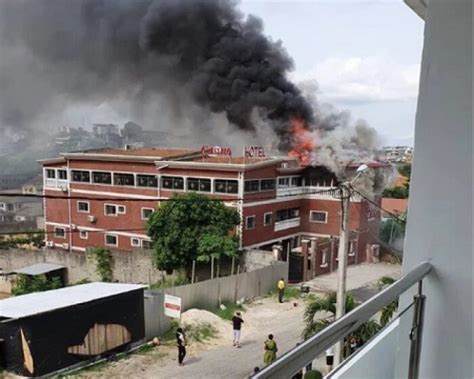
(219, 359)
(358, 276)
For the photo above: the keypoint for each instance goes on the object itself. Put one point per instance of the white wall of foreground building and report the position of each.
(440, 208)
(376, 359)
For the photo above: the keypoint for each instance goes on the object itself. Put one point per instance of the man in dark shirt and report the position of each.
(181, 343)
(237, 325)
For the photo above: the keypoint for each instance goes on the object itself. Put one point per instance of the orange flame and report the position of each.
(303, 142)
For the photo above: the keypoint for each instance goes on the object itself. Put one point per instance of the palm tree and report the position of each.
(328, 304)
(390, 309)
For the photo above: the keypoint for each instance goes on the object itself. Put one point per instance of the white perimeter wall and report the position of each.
(440, 208)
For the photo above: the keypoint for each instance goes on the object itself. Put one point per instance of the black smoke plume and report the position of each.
(58, 52)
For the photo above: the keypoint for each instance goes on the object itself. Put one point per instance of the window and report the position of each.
(250, 222)
(287, 214)
(267, 184)
(318, 216)
(62, 174)
(267, 218)
(83, 206)
(283, 182)
(252, 186)
(110, 210)
(296, 181)
(121, 209)
(172, 182)
(50, 173)
(81, 176)
(59, 232)
(135, 242)
(101, 177)
(147, 181)
(83, 235)
(124, 179)
(198, 184)
(146, 244)
(324, 258)
(146, 213)
(226, 186)
(111, 240)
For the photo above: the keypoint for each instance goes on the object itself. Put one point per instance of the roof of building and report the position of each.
(47, 301)
(155, 152)
(398, 206)
(38, 269)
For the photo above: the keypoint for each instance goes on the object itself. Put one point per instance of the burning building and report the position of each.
(104, 197)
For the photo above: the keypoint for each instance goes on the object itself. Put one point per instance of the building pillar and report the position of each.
(313, 252)
(304, 252)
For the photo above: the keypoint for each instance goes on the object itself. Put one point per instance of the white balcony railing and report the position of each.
(287, 224)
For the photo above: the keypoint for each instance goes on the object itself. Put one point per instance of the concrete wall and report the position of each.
(133, 267)
(440, 206)
(209, 294)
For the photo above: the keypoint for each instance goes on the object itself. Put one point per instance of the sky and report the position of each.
(361, 56)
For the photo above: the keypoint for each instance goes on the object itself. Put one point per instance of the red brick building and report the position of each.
(103, 198)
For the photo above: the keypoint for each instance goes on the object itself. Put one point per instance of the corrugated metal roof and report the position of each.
(41, 302)
(38, 269)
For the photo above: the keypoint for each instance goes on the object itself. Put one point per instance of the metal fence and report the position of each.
(209, 294)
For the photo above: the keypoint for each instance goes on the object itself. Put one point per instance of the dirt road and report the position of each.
(265, 316)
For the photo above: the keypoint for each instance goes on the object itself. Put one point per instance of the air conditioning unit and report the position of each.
(91, 219)
(284, 165)
(73, 226)
(63, 188)
(49, 243)
(65, 246)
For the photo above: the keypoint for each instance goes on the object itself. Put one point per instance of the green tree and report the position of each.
(28, 284)
(393, 228)
(327, 304)
(191, 226)
(389, 310)
(103, 261)
(396, 192)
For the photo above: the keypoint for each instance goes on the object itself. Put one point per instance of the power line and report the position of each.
(393, 215)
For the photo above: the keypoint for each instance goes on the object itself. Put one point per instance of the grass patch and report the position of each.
(229, 311)
(201, 332)
(290, 293)
(169, 282)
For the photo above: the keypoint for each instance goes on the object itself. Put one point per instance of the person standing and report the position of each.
(181, 343)
(281, 289)
(237, 326)
(271, 349)
(330, 358)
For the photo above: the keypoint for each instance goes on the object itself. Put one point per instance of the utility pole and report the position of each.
(342, 263)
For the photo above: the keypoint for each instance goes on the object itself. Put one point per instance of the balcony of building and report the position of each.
(431, 335)
(287, 224)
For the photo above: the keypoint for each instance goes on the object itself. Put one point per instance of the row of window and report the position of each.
(113, 209)
(257, 185)
(285, 214)
(167, 182)
(109, 239)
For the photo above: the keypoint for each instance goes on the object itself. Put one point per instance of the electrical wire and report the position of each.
(33, 232)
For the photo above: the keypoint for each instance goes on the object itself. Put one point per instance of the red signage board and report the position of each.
(217, 151)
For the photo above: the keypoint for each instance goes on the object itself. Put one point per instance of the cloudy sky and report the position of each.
(364, 56)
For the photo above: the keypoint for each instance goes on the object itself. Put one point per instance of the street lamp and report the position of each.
(342, 253)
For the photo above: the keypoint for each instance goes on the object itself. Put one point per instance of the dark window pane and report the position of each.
(205, 185)
(267, 184)
(220, 186)
(124, 179)
(193, 184)
(81, 176)
(318, 216)
(167, 182)
(50, 173)
(102, 177)
(147, 181)
(251, 186)
(62, 174)
(178, 183)
(232, 186)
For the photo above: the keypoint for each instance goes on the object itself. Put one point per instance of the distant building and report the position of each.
(397, 154)
(20, 214)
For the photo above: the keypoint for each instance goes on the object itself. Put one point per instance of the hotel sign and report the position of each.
(254, 152)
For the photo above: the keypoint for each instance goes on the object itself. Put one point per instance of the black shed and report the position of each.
(46, 331)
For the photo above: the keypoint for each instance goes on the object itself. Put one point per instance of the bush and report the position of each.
(103, 261)
(229, 311)
(201, 332)
(28, 284)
